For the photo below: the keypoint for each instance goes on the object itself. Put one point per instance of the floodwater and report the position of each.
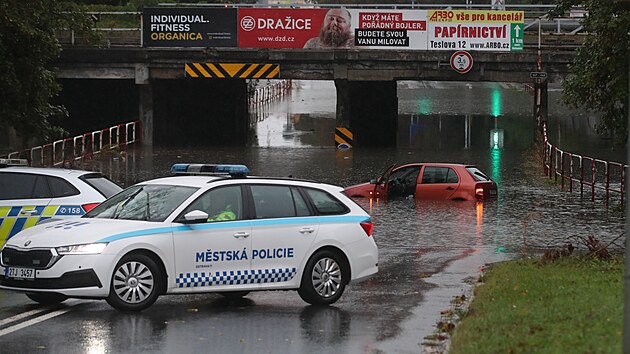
(438, 122)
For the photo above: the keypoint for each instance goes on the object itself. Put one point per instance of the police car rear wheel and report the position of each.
(135, 283)
(323, 279)
(47, 298)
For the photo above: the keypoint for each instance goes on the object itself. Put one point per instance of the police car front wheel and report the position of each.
(47, 298)
(135, 283)
(324, 278)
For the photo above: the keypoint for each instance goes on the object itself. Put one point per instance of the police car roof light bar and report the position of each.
(209, 169)
(13, 162)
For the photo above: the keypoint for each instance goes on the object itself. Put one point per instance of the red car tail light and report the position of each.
(367, 227)
(479, 192)
(90, 206)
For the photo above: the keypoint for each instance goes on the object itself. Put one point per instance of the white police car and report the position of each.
(31, 194)
(229, 234)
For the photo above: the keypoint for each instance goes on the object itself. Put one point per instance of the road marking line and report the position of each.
(33, 320)
(21, 316)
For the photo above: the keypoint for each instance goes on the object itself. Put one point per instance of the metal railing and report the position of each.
(594, 176)
(65, 151)
(265, 94)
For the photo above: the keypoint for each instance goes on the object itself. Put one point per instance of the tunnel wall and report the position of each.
(185, 112)
(373, 111)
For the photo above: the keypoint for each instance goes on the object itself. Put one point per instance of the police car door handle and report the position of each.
(307, 230)
(449, 188)
(28, 212)
(241, 235)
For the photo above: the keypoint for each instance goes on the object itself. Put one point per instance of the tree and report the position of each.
(598, 79)
(27, 47)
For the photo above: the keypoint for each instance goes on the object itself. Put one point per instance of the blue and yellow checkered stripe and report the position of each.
(11, 221)
(235, 277)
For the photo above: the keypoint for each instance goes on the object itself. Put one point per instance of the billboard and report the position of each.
(475, 30)
(470, 30)
(189, 27)
(390, 29)
(278, 28)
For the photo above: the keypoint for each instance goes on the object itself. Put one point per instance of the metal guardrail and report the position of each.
(66, 151)
(598, 177)
(268, 93)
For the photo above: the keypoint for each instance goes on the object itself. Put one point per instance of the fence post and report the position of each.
(570, 172)
(623, 182)
(592, 180)
(607, 180)
(551, 161)
(581, 177)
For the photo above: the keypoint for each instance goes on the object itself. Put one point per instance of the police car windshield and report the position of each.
(143, 202)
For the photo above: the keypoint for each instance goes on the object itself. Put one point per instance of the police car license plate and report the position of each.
(20, 273)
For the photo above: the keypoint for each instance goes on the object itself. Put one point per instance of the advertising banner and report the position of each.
(189, 27)
(475, 30)
(278, 28)
(453, 30)
(389, 29)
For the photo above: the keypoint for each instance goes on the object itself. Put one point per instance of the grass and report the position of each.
(530, 306)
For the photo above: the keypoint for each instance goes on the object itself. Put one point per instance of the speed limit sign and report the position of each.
(461, 61)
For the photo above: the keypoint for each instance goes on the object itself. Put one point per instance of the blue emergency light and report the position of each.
(209, 169)
(13, 162)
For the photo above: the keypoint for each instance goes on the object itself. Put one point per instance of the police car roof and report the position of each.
(49, 171)
(188, 181)
(201, 181)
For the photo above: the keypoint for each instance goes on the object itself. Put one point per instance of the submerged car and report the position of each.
(224, 232)
(428, 181)
(29, 195)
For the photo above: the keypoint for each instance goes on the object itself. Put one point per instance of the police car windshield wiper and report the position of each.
(146, 215)
(119, 209)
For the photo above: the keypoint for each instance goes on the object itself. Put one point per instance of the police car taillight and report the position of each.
(367, 227)
(90, 206)
(208, 169)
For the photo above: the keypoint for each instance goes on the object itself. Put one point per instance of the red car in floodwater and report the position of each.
(428, 181)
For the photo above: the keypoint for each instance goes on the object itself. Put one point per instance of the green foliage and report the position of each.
(27, 46)
(599, 73)
(529, 306)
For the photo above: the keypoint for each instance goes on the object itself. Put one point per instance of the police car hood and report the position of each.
(81, 231)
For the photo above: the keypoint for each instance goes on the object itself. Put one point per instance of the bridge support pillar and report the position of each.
(540, 103)
(370, 110)
(146, 113)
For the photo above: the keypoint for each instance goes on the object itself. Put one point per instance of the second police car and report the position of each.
(29, 195)
(229, 234)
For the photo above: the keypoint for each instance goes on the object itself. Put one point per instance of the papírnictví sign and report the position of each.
(476, 30)
(335, 28)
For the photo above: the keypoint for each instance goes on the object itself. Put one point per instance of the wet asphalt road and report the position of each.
(391, 313)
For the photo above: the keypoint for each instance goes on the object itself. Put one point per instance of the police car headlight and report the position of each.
(90, 248)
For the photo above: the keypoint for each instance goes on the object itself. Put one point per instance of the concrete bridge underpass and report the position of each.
(104, 86)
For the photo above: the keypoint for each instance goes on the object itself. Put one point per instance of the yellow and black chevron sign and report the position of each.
(343, 137)
(232, 71)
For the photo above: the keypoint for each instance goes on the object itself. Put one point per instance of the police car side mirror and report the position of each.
(195, 217)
